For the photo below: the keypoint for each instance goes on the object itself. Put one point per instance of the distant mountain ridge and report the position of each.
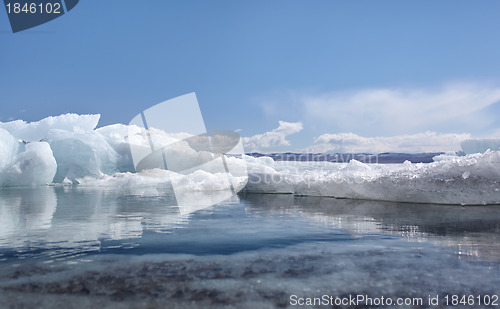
(383, 158)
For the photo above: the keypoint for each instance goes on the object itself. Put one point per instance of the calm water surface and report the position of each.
(73, 247)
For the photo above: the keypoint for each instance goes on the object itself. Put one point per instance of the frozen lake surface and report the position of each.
(75, 247)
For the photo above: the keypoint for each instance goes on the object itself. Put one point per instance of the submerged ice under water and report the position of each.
(118, 248)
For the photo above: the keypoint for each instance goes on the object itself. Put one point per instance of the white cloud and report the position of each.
(274, 138)
(385, 111)
(421, 142)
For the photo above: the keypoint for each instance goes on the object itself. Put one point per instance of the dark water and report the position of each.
(70, 247)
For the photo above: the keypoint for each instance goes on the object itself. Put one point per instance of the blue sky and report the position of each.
(367, 68)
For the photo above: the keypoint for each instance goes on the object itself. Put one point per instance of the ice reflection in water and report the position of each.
(471, 230)
(60, 222)
(67, 221)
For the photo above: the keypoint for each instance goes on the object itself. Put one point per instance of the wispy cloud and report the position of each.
(421, 142)
(458, 107)
(274, 138)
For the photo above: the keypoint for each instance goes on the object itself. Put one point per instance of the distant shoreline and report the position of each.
(382, 158)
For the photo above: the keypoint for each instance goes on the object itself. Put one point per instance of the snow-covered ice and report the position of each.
(471, 179)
